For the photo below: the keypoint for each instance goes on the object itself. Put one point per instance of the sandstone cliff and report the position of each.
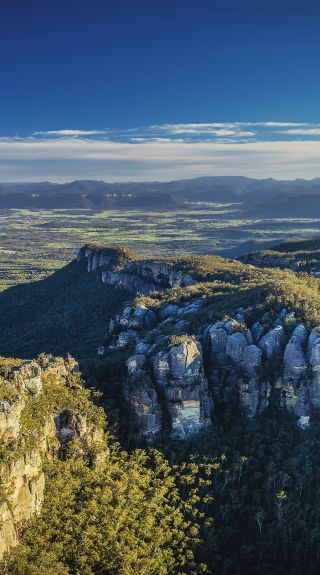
(184, 357)
(137, 275)
(181, 372)
(42, 407)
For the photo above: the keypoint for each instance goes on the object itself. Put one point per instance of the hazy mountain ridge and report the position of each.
(99, 194)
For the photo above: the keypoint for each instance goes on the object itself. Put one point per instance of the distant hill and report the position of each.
(302, 206)
(298, 254)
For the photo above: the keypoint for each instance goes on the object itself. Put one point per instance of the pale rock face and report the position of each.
(26, 480)
(185, 361)
(28, 375)
(179, 374)
(161, 369)
(249, 389)
(217, 337)
(294, 385)
(236, 344)
(251, 358)
(10, 418)
(140, 276)
(314, 335)
(271, 344)
(295, 363)
(22, 478)
(300, 333)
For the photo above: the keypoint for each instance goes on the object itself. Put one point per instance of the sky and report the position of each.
(156, 90)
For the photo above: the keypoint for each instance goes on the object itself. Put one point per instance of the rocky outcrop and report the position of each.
(179, 369)
(139, 276)
(303, 260)
(178, 373)
(31, 430)
(141, 395)
(169, 383)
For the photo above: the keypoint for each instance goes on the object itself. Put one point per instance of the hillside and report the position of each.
(64, 313)
(298, 254)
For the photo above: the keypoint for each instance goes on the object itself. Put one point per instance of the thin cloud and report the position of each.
(71, 133)
(302, 132)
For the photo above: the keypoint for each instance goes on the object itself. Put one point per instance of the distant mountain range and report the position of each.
(286, 197)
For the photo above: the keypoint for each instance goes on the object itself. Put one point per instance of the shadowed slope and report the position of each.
(66, 313)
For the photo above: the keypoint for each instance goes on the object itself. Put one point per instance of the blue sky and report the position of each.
(133, 89)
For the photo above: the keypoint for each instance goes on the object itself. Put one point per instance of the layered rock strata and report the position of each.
(139, 276)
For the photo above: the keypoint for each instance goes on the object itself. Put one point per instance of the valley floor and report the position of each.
(34, 243)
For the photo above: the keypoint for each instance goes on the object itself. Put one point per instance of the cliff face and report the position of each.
(140, 276)
(180, 378)
(179, 367)
(270, 259)
(39, 412)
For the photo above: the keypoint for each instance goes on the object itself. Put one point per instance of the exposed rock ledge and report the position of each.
(140, 276)
(180, 371)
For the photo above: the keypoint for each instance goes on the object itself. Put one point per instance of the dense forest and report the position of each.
(244, 499)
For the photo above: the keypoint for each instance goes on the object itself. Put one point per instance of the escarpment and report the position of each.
(211, 332)
(300, 255)
(178, 374)
(43, 407)
(140, 276)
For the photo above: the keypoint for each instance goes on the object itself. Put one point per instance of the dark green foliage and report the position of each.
(230, 285)
(259, 495)
(124, 518)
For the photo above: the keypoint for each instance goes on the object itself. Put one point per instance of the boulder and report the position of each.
(217, 340)
(28, 375)
(272, 343)
(168, 311)
(257, 331)
(142, 318)
(185, 360)
(236, 343)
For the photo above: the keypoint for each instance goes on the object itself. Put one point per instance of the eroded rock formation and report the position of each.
(31, 430)
(177, 372)
(139, 276)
